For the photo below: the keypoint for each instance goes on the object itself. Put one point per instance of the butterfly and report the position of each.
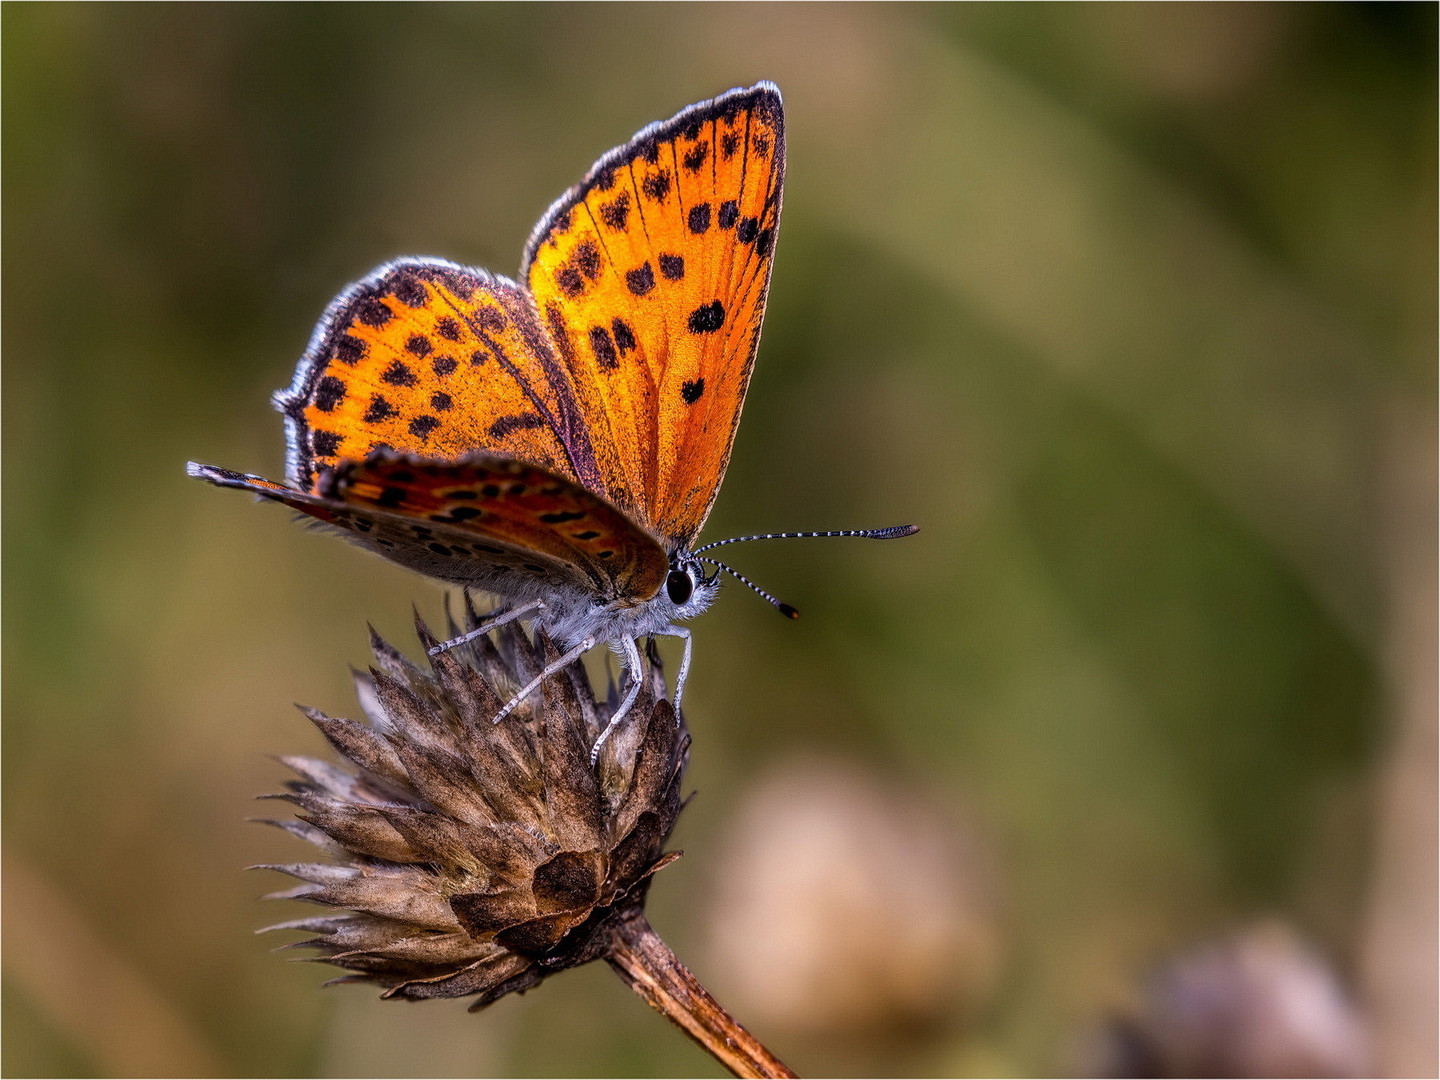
(558, 441)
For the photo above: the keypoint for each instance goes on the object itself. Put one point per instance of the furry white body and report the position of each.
(570, 620)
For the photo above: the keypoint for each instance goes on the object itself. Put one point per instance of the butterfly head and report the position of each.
(687, 589)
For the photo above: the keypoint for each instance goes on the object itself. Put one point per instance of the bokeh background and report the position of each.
(1132, 308)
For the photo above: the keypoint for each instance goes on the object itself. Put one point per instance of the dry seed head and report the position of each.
(474, 858)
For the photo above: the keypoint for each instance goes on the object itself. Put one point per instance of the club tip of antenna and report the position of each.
(788, 611)
(894, 532)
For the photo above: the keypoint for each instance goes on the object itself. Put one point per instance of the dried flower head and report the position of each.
(475, 858)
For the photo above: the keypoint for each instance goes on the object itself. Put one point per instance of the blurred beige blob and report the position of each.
(1261, 1003)
(847, 906)
(1398, 961)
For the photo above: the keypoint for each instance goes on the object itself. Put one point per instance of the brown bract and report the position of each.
(475, 858)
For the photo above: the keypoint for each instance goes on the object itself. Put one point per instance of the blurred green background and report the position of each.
(1132, 308)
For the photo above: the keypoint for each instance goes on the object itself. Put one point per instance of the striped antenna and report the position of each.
(893, 532)
(779, 605)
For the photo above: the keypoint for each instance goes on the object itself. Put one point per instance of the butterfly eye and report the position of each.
(678, 586)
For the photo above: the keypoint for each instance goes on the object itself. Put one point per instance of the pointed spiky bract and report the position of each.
(473, 858)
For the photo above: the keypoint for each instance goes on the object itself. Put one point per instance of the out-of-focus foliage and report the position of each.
(1131, 308)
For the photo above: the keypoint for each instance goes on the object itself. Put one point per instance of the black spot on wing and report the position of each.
(707, 318)
(616, 212)
(640, 280)
(603, 348)
(570, 282)
(656, 186)
(325, 443)
(692, 390)
(349, 350)
(624, 336)
(379, 409)
(329, 392)
(398, 374)
(586, 259)
(699, 218)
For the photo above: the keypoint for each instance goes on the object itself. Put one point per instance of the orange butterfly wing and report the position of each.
(512, 502)
(483, 521)
(650, 277)
(432, 358)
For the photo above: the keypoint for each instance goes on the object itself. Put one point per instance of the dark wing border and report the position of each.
(725, 105)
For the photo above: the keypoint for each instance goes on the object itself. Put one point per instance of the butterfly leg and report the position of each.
(486, 627)
(680, 632)
(632, 666)
(550, 669)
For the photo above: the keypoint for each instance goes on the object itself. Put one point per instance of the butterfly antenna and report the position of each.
(893, 532)
(779, 605)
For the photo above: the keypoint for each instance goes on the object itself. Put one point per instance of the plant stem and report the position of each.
(654, 972)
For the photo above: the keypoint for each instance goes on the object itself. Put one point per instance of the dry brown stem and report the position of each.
(656, 974)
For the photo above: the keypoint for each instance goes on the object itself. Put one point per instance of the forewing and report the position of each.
(432, 358)
(650, 276)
